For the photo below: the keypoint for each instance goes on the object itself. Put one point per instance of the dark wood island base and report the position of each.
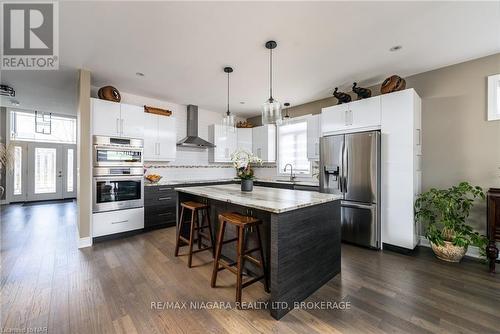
(301, 247)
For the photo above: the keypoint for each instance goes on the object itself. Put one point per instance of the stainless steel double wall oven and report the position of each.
(118, 181)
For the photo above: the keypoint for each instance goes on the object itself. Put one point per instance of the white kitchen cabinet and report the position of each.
(401, 173)
(160, 138)
(117, 119)
(264, 142)
(132, 121)
(244, 139)
(225, 141)
(356, 116)
(106, 223)
(313, 135)
(105, 118)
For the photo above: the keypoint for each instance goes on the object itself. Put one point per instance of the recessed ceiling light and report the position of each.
(242, 102)
(395, 48)
(139, 74)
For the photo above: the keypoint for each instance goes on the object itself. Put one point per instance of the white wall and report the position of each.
(190, 163)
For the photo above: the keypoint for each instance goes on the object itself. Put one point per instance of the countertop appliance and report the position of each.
(117, 188)
(350, 166)
(109, 151)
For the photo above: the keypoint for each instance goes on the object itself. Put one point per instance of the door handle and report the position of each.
(159, 148)
(356, 206)
(164, 198)
(120, 222)
(121, 126)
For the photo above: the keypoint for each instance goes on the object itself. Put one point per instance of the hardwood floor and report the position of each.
(109, 288)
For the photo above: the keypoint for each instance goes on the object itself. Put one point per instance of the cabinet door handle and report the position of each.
(121, 126)
(120, 222)
(159, 148)
(346, 117)
(165, 214)
(164, 198)
(156, 149)
(316, 148)
(117, 125)
(163, 189)
(419, 137)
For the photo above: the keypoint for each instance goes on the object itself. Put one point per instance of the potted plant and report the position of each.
(242, 161)
(444, 212)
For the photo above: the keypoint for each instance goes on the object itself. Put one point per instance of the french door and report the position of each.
(43, 171)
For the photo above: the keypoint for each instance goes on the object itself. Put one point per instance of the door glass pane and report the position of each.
(18, 167)
(69, 171)
(45, 170)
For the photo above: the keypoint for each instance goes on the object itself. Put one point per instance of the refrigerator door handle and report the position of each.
(345, 155)
(341, 172)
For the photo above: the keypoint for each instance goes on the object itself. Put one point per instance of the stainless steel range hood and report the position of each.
(192, 139)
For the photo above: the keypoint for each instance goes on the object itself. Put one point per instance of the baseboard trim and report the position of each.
(472, 251)
(84, 242)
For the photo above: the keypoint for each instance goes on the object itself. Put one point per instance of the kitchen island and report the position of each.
(300, 232)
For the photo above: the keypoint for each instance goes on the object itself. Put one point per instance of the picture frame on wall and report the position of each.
(494, 97)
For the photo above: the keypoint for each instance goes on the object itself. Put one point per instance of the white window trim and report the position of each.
(493, 97)
(9, 129)
(279, 171)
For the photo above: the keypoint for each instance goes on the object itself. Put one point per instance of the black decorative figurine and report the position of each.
(362, 93)
(341, 96)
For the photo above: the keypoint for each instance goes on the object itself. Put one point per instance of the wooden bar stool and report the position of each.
(194, 226)
(242, 224)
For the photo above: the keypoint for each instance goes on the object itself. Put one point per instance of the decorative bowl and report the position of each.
(449, 252)
(153, 178)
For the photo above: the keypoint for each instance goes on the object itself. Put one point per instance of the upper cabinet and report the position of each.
(358, 115)
(225, 141)
(117, 119)
(244, 139)
(313, 134)
(160, 138)
(132, 121)
(264, 142)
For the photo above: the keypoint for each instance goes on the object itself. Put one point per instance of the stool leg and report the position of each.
(210, 233)
(264, 267)
(191, 237)
(198, 225)
(239, 275)
(218, 252)
(179, 228)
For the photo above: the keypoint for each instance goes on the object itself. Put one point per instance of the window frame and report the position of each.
(12, 127)
(279, 171)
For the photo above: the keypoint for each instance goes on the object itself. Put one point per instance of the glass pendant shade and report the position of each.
(229, 122)
(271, 112)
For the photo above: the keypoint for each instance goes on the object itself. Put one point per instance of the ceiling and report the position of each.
(182, 47)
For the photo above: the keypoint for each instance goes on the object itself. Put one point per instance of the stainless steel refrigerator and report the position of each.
(350, 166)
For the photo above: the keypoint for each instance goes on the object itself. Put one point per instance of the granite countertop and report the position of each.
(274, 200)
(163, 182)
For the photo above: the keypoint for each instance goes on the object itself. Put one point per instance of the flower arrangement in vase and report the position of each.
(242, 160)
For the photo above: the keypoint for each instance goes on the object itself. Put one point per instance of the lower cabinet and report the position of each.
(273, 185)
(112, 222)
(159, 206)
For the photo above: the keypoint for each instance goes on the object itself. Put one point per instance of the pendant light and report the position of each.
(271, 110)
(286, 116)
(228, 121)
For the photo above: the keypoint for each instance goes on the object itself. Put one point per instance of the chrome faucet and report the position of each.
(292, 176)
